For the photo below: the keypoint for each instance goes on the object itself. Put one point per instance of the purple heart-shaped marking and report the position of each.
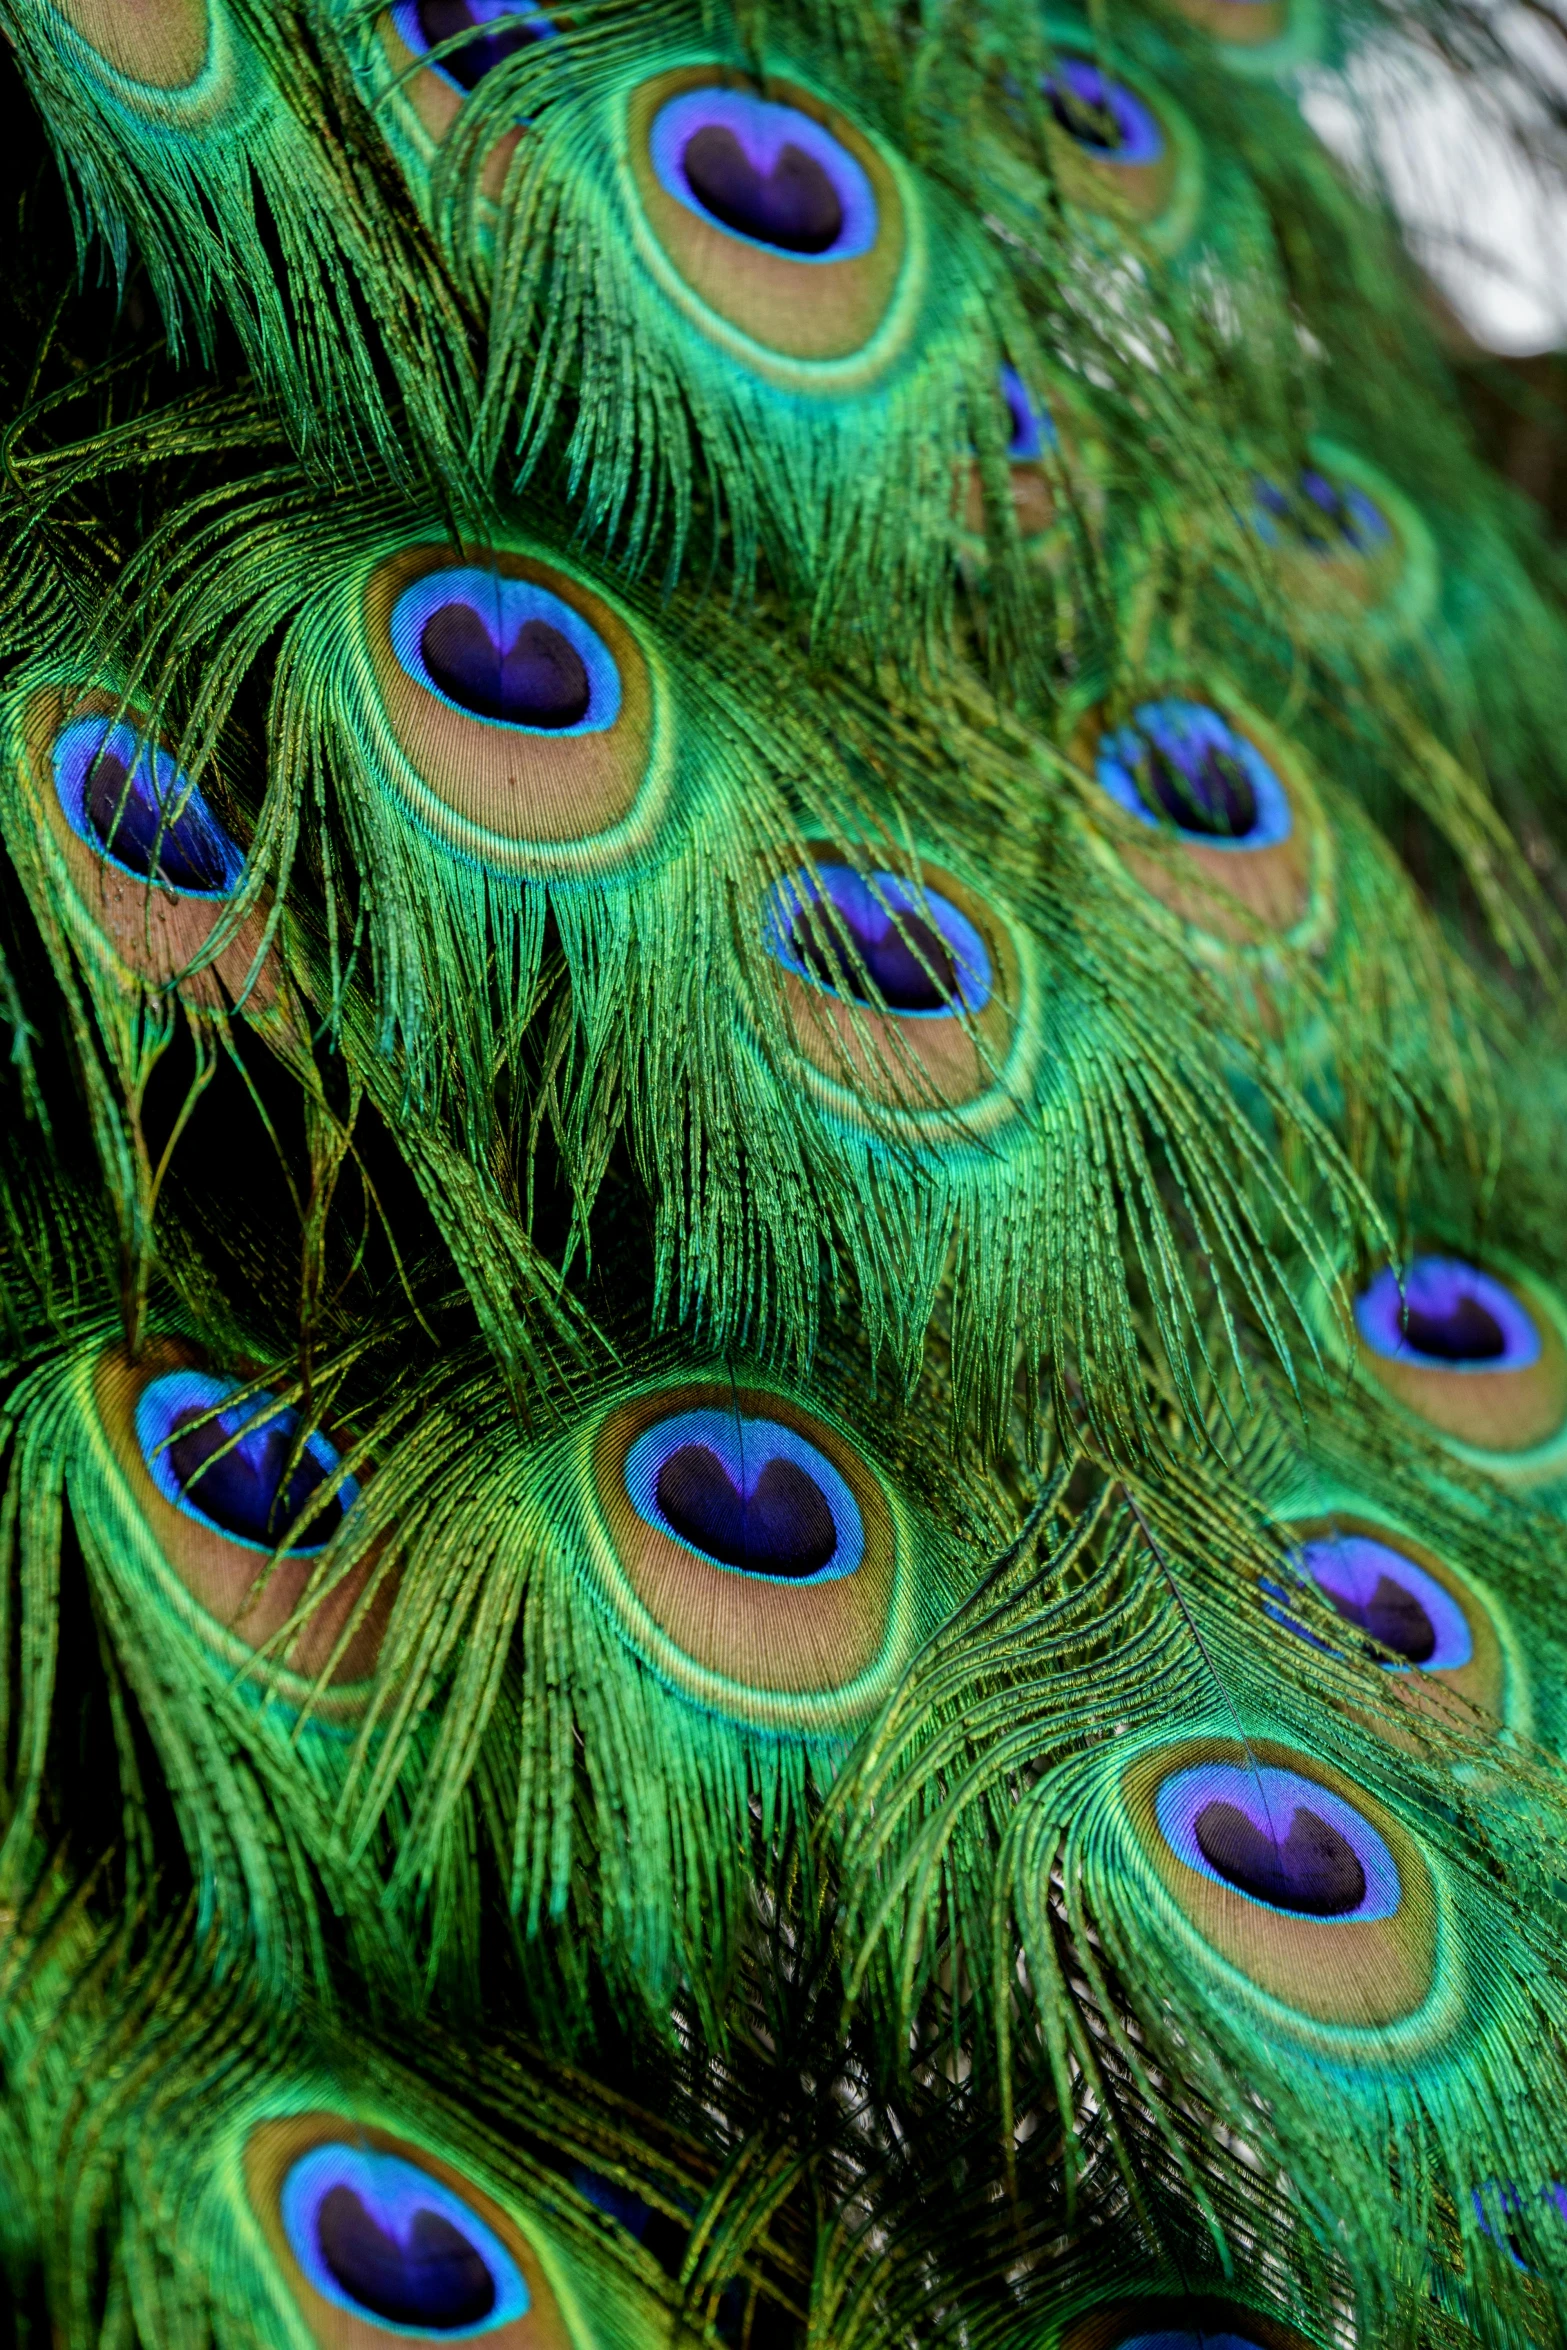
(539, 679)
(244, 1490)
(436, 2279)
(910, 963)
(1314, 1870)
(783, 1526)
(442, 20)
(1465, 1331)
(1200, 788)
(794, 205)
(1393, 1617)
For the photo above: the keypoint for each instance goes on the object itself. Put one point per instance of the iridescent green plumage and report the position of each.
(784, 1352)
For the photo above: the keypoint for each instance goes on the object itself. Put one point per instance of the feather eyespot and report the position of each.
(211, 1488)
(505, 650)
(497, 29)
(1120, 139)
(1467, 1352)
(423, 93)
(1502, 2213)
(1103, 115)
(1188, 2338)
(384, 2239)
(1184, 2338)
(1033, 428)
(376, 2238)
(1449, 1314)
(1034, 437)
(1401, 1602)
(1181, 763)
(749, 1550)
(128, 800)
(526, 716)
(1228, 798)
(1383, 1593)
(1294, 1877)
(773, 217)
(1327, 516)
(920, 952)
(1348, 547)
(946, 970)
(1040, 444)
(130, 844)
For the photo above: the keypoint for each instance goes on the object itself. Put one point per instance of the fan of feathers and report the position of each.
(783, 1274)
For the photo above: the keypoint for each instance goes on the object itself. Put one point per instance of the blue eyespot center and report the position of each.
(921, 953)
(425, 24)
(434, 2276)
(1310, 1868)
(395, 2245)
(1101, 114)
(749, 1494)
(1328, 517)
(768, 173)
(244, 1470)
(130, 802)
(1181, 763)
(1449, 1316)
(539, 679)
(1187, 2338)
(1373, 1586)
(782, 1526)
(506, 651)
(794, 205)
(1280, 1839)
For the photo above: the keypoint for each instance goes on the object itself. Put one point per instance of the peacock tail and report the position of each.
(783, 1314)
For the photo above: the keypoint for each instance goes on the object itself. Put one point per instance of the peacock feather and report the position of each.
(783, 1325)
